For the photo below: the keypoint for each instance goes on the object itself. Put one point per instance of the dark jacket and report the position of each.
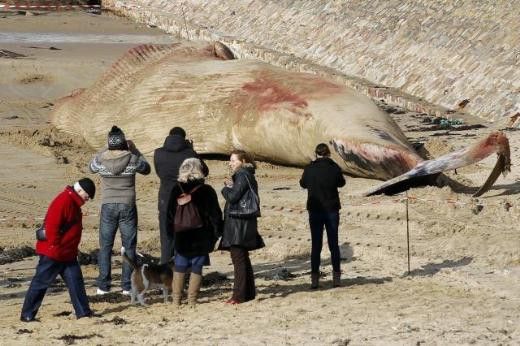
(201, 241)
(239, 231)
(65, 209)
(321, 178)
(167, 161)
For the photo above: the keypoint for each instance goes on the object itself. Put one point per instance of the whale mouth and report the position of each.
(374, 161)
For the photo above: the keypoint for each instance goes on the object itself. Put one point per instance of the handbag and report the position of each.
(187, 216)
(40, 232)
(248, 205)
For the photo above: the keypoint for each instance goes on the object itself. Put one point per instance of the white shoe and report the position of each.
(125, 292)
(100, 292)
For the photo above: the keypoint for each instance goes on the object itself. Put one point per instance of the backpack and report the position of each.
(187, 216)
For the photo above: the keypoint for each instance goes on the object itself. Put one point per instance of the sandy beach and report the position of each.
(464, 281)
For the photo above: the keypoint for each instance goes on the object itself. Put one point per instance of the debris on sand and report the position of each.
(112, 298)
(88, 258)
(70, 339)
(34, 78)
(16, 254)
(439, 123)
(13, 282)
(49, 48)
(4, 53)
(213, 278)
(118, 321)
(24, 331)
(281, 273)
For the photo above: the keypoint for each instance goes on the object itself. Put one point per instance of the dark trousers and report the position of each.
(244, 285)
(46, 272)
(331, 222)
(166, 237)
(114, 216)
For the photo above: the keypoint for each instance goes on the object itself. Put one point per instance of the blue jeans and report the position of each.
(114, 215)
(46, 272)
(331, 222)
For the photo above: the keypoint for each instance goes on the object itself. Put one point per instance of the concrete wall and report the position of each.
(439, 51)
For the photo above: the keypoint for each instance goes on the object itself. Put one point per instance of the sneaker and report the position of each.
(100, 292)
(125, 292)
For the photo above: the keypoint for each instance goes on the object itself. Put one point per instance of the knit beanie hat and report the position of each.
(116, 139)
(88, 186)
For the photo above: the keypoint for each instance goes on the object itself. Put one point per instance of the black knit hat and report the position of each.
(178, 131)
(116, 139)
(88, 186)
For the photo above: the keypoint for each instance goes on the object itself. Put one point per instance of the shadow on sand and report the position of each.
(433, 268)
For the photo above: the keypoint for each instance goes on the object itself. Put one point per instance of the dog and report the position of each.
(148, 276)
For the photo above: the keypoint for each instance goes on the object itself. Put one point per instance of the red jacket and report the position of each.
(64, 212)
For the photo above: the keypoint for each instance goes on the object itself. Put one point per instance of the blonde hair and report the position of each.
(191, 169)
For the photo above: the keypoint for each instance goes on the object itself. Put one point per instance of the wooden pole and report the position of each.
(407, 233)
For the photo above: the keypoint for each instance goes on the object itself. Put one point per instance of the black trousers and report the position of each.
(244, 285)
(317, 221)
(166, 237)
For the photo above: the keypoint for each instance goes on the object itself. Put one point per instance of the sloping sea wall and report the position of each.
(425, 55)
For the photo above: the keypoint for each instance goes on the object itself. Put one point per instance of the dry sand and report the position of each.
(464, 286)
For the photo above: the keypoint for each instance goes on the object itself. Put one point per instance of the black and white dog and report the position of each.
(147, 276)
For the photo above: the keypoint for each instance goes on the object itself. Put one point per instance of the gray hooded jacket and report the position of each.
(117, 169)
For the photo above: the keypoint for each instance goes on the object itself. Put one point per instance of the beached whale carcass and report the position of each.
(225, 104)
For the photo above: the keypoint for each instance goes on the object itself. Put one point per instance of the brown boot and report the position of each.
(336, 279)
(315, 280)
(178, 286)
(194, 288)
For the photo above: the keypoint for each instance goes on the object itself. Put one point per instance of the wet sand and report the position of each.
(465, 252)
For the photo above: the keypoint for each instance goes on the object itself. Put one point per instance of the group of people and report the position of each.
(182, 173)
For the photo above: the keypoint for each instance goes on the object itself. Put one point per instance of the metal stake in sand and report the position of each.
(407, 232)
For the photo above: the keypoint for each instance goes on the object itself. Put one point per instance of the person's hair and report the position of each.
(244, 156)
(322, 149)
(191, 169)
(178, 131)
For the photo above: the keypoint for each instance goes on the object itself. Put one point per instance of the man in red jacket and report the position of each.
(58, 252)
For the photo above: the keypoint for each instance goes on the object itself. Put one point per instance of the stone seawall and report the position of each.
(425, 55)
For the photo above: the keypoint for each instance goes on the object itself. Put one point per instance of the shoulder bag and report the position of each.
(248, 206)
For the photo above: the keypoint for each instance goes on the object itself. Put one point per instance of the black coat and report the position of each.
(167, 161)
(321, 178)
(201, 241)
(240, 231)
